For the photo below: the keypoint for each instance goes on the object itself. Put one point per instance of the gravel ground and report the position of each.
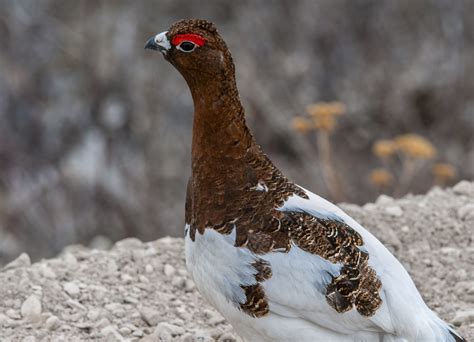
(142, 292)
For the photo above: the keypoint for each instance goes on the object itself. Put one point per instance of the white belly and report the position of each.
(218, 270)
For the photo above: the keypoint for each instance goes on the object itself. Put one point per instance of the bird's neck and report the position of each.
(220, 133)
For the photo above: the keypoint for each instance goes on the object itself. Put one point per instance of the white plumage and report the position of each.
(298, 308)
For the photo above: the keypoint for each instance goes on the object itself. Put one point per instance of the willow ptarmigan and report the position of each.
(277, 261)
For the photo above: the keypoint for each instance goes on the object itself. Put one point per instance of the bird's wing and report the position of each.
(338, 275)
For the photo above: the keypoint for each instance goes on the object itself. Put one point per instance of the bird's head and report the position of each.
(194, 48)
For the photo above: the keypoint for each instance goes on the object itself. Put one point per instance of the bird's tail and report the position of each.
(455, 335)
(446, 331)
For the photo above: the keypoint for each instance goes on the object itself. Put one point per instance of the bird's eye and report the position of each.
(186, 46)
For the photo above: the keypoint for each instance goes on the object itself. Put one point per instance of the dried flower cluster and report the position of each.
(413, 152)
(322, 116)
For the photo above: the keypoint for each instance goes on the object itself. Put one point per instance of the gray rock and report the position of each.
(31, 308)
(466, 212)
(464, 188)
(53, 323)
(128, 243)
(394, 210)
(72, 289)
(22, 261)
(169, 270)
(464, 317)
(165, 330)
(151, 316)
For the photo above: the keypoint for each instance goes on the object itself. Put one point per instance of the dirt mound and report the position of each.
(141, 291)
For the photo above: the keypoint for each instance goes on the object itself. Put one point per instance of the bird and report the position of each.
(279, 262)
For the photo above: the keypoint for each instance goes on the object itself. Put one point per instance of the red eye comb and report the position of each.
(190, 37)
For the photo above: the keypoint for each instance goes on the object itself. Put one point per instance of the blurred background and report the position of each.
(351, 99)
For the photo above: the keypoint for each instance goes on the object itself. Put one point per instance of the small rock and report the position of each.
(130, 300)
(466, 212)
(150, 316)
(128, 243)
(464, 188)
(48, 272)
(13, 314)
(125, 331)
(189, 286)
(100, 242)
(384, 199)
(165, 329)
(369, 206)
(126, 278)
(464, 317)
(405, 229)
(391, 238)
(152, 338)
(169, 270)
(178, 282)
(111, 334)
(70, 260)
(22, 261)
(75, 304)
(104, 322)
(213, 318)
(71, 289)
(29, 339)
(93, 314)
(31, 308)
(3, 318)
(188, 337)
(149, 268)
(138, 333)
(394, 211)
(52, 323)
(227, 337)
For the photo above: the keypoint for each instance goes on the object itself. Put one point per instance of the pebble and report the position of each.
(394, 210)
(100, 242)
(72, 289)
(111, 334)
(125, 331)
(70, 260)
(138, 333)
(166, 329)
(383, 199)
(151, 316)
(466, 212)
(22, 261)
(29, 339)
(370, 206)
(31, 308)
(227, 337)
(48, 272)
(391, 238)
(464, 188)
(169, 270)
(93, 314)
(188, 337)
(128, 243)
(13, 314)
(75, 304)
(53, 323)
(149, 268)
(405, 229)
(126, 278)
(152, 338)
(178, 282)
(464, 317)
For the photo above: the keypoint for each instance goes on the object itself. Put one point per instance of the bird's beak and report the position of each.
(159, 43)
